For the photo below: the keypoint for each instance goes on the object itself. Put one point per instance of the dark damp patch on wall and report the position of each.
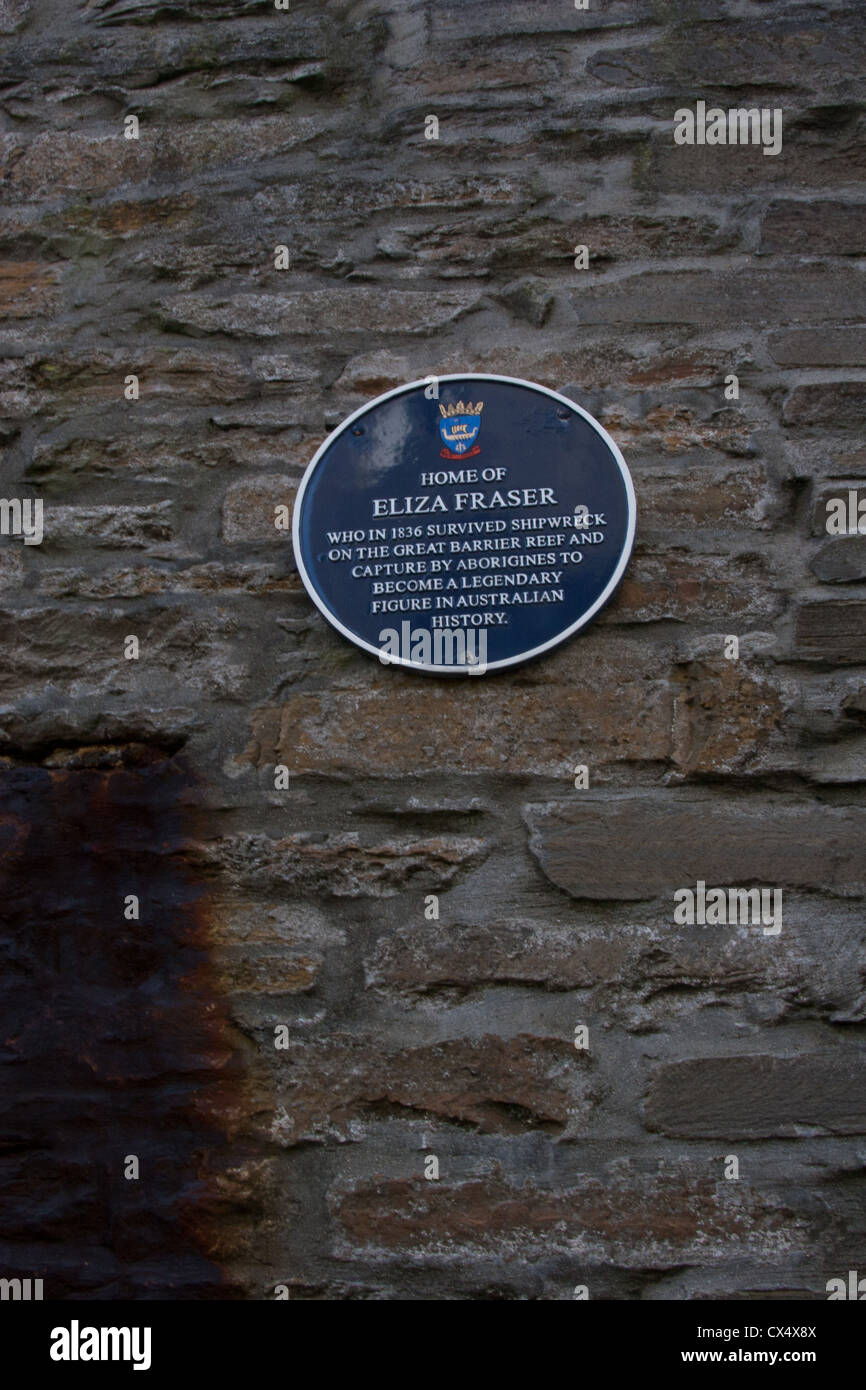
(114, 1041)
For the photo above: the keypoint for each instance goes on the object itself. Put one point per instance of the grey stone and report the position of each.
(760, 1097)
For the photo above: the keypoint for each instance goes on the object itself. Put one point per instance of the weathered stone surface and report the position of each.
(116, 528)
(347, 195)
(726, 299)
(677, 429)
(316, 312)
(456, 23)
(385, 724)
(116, 12)
(736, 54)
(845, 458)
(374, 373)
(831, 632)
(842, 345)
(823, 228)
(592, 362)
(305, 907)
(630, 1219)
(649, 977)
(145, 581)
(648, 846)
(249, 509)
(12, 14)
(733, 495)
(494, 1084)
(77, 164)
(838, 403)
(632, 238)
(841, 561)
(27, 290)
(266, 949)
(679, 585)
(246, 970)
(760, 1097)
(529, 300)
(175, 650)
(341, 866)
(730, 716)
(836, 159)
(60, 384)
(511, 952)
(11, 568)
(150, 456)
(530, 242)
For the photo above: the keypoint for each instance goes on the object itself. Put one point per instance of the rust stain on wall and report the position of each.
(115, 1042)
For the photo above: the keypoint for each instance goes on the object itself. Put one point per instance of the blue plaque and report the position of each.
(464, 524)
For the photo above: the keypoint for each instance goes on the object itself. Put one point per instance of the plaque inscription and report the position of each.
(464, 524)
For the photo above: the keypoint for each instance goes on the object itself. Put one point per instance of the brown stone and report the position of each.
(838, 403)
(125, 217)
(682, 585)
(730, 495)
(727, 718)
(11, 568)
(249, 509)
(629, 1219)
(115, 527)
(454, 24)
(374, 373)
(833, 632)
(340, 866)
(494, 1084)
(247, 970)
(461, 957)
(27, 289)
(62, 379)
(676, 429)
(649, 845)
(384, 723)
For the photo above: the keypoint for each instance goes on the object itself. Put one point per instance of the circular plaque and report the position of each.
(463, 524)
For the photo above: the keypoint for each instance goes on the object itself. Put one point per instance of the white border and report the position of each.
(509, 661)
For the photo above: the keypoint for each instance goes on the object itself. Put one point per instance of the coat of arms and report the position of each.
(458, 426)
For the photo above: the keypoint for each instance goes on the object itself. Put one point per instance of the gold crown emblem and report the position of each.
(461, 409)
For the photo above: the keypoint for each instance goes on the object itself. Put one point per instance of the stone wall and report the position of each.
(301, 1168)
